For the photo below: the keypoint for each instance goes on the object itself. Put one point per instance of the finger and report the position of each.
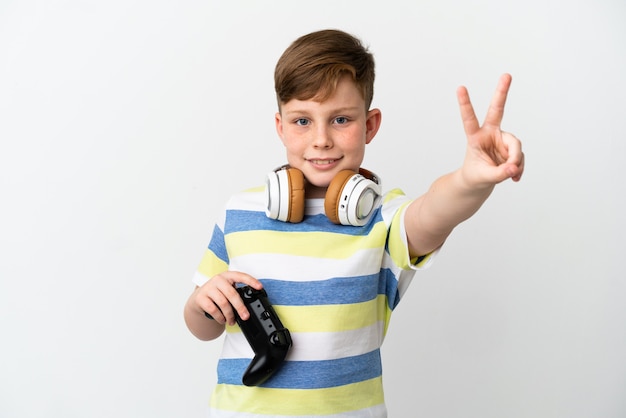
(216, 299)
(520, 169)
(515, 158)
(513, 148)
(212, 311)
(232, 302)
(240, 308)
(235, 277)
(218, 307)
(216, 315)
(468, 116)
(235, 302)
(496, 107)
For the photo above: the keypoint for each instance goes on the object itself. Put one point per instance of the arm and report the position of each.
(218, 298)
(492, 156)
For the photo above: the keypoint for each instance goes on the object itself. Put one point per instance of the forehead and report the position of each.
(346, 96)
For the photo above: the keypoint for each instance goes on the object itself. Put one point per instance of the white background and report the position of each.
(125, 125)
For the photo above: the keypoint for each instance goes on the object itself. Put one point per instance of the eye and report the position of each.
(341, 120)
(302, 122)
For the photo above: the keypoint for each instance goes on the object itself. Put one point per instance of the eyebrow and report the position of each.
(334, 111)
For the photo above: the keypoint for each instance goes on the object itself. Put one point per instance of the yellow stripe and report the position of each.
(331, 318)
(309, 244)
(299, 401)
(397, 246)
(397, 241)
(392, 194)
(257, 189)
(210, 265)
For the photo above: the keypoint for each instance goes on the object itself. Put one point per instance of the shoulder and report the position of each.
(393, 201)
(394, 195)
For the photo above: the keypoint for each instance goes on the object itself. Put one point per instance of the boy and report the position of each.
(333, 274)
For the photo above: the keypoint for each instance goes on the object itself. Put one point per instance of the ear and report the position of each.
(372, 123)
(279, 125)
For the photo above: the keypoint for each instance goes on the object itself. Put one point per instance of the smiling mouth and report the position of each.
(322, 162)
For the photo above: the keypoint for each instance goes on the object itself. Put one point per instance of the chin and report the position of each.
(320, 184)
(321, 179)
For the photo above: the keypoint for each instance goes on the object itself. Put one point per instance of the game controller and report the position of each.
(267, 336)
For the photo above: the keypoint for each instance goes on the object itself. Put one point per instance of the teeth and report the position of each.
(323, 162)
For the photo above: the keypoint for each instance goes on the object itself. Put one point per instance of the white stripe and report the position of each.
(199, 279)
(309, 267)
(236, 346)
(378, 411)
(248, 200)
(275, 266)
(314, 346)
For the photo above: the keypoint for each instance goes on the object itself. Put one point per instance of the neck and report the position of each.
(312, 191)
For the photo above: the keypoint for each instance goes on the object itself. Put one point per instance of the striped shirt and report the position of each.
(333, 286)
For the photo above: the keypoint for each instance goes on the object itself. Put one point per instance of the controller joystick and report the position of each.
(267, 336)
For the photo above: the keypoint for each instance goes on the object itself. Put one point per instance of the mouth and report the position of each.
(321, 162)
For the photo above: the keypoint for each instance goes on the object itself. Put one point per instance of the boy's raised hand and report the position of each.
(492, 155)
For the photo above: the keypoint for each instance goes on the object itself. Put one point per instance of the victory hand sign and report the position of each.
(492, 155)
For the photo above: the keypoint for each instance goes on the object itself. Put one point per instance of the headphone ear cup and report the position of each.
(334, 193)
(285, 195)
(296, 195)
(351, 198)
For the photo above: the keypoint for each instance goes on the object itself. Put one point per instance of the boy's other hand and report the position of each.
(218, 296)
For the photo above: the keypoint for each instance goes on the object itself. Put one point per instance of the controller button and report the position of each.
(275, 339)
(248, 293)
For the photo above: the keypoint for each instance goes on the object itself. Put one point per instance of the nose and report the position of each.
(322, 138)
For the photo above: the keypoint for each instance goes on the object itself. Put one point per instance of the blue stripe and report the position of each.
(341, 290)
(246, 220)
(390, 283)
(217, 245)
(308, 374)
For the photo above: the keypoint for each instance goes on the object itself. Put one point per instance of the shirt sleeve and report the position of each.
(215, 257)
(397, 244)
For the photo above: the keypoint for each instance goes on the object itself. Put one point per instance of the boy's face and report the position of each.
(323, 138)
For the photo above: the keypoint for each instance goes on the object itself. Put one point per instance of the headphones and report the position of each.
(350, 198)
